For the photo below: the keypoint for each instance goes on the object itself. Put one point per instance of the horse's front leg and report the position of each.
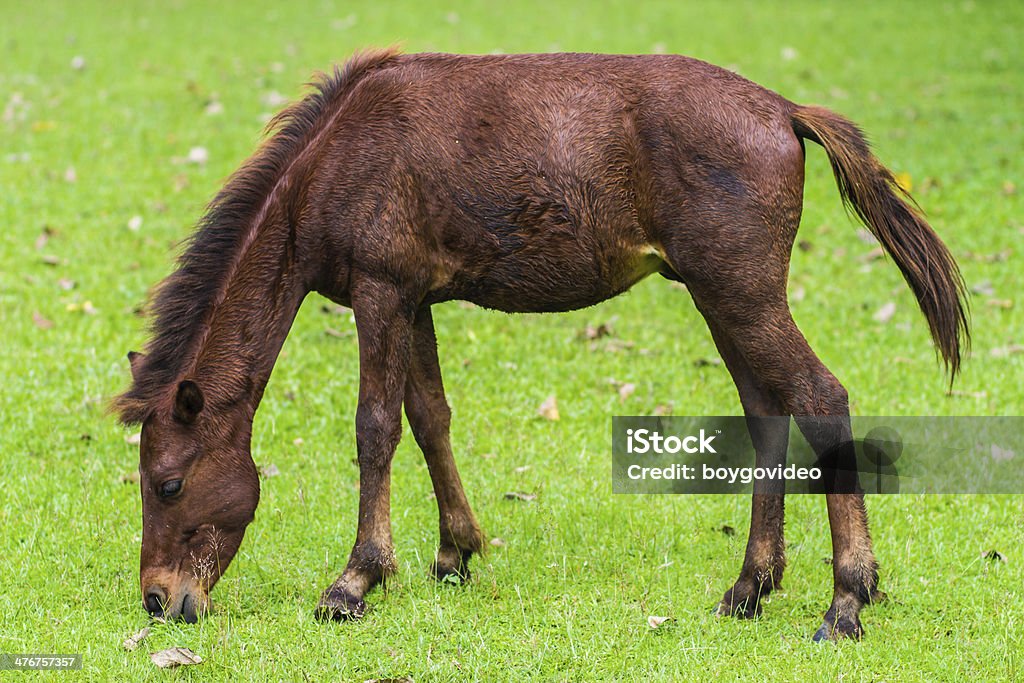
(430, 417)
(384, 323)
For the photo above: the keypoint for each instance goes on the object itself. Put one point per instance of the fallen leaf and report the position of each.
(175, 656)
(337, 334)
(656, 622)
(873, 255)
(885, 313)
(132, 641)
(663, 409)
(519, 495)
(487, 456)
(69, 175)
(549, 408)
(591, 332)
(298, 441)
(51, 260)
(66, 284)
(78, 62)
(1009, 188)
(1008, 350)
(1000, 303)
(498, 542)
(993, 555)
(520, 470)
(268, 471)
(130, 477)
(969, 394)
(41, 321)
(984, 288)
(214, 108)
(44, 237)
(904, 180)
(1001, 454)
(274, 99)
(198, 156)
(625, 391)
(133, 439)
(134, 223)
(798, 294)
(997, 257)
(866, 236)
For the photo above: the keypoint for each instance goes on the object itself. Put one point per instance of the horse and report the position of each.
(541, 183)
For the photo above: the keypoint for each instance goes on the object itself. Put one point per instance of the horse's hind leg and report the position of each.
(780, 357)
(768, 423)
(384, 324)
(430, 417)
(736, 267)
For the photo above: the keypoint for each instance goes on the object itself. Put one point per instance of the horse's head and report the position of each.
(200, 489)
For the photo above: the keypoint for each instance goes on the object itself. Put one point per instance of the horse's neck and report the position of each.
(249, 325)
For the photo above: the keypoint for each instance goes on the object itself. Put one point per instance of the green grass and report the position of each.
(937, 85)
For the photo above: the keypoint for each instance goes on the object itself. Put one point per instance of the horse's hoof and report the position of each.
(337, 605)
(451, 566)
(455, 576)
(736, 604)
(843, 628)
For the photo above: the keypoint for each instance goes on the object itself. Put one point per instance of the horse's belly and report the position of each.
(548, 282)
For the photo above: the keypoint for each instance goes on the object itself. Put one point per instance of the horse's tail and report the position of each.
(892, 216)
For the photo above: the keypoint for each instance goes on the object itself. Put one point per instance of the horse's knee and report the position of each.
(377, 432)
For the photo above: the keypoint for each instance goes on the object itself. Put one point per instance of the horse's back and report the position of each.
(547, 182)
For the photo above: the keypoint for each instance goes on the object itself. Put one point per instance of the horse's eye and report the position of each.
(170, 488)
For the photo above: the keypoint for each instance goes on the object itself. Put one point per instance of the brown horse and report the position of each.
(520, 183)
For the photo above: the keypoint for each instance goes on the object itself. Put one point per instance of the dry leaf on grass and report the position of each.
(885, 313)
(498, 542)
(268, 471)
(175, 656)
(198, 156)
(983, 288)
(132, 641)
(41, 321)
(1008, 350)
(519, 495)
(1000, 454)
(993, 556)
(656, 622)
(549, 408)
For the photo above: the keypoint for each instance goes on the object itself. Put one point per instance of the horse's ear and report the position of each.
(135, 360)
(188, 402)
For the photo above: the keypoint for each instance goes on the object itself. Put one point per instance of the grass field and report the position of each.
(101, 106)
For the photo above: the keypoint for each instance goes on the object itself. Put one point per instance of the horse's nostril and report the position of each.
(155, 599)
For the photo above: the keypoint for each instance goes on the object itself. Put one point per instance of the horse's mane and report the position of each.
(184, 301)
